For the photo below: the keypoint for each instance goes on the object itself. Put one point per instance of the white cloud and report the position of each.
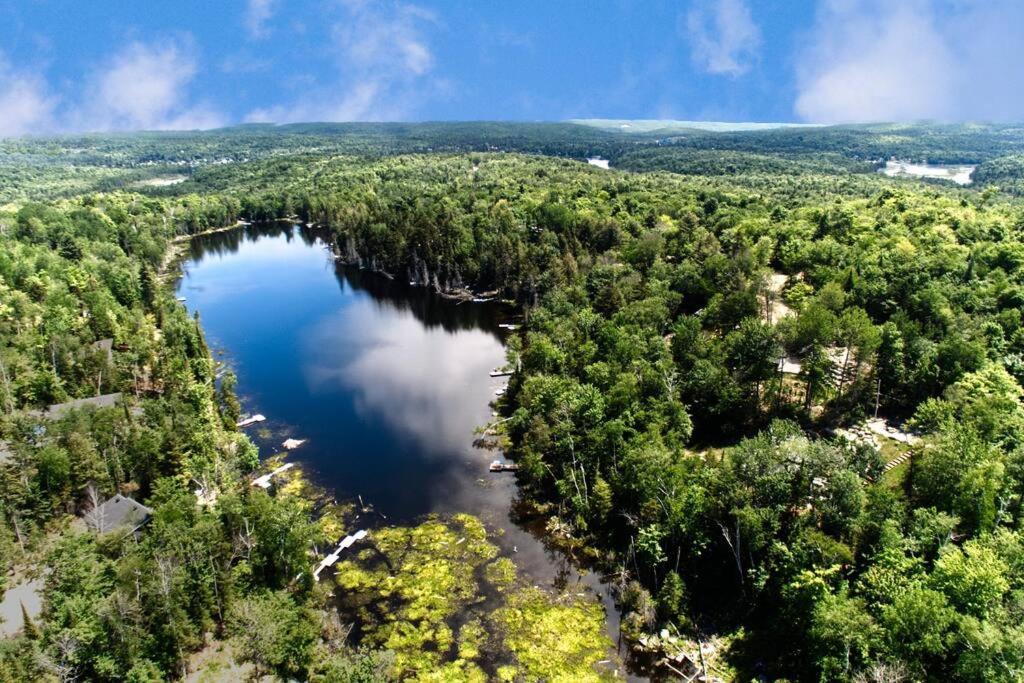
(257, 14)
(145, 86)
(725, 39)
(384, 65)
(26, 105)
(873, 60)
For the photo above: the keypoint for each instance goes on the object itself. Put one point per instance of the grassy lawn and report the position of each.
(896, 477)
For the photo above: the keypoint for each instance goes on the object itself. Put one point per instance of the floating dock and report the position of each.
(264, 481)
(333, 557)
(251, 420)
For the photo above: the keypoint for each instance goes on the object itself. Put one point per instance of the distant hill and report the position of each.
(670, 125)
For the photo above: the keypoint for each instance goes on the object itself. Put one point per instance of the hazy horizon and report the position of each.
(73, 67)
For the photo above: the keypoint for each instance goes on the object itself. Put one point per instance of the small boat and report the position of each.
(499, 466)
(508, 326)
(500, 392)
(291, 444)
(500, 373)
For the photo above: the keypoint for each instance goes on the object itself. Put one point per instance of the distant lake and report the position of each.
(959, 174)
(386, 381)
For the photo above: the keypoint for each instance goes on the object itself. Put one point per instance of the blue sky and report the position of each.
(68, 65)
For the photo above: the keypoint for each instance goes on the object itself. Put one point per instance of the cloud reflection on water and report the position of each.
(419, 380)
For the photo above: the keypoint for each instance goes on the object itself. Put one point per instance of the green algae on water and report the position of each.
(554, 639)
(440, 598)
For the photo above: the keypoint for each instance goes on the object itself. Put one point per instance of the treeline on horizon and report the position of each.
(108, 161)
(652, 425)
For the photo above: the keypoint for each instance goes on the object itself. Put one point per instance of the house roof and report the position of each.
(59, 410)
(105, 346)
(790, 365)
(118, 512)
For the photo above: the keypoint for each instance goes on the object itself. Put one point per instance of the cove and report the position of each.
(387, 382)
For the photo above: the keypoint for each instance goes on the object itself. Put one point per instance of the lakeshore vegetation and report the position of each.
(703, 326)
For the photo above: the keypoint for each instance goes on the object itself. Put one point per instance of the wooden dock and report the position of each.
(336, 555)
(264, 481)
(251, 420)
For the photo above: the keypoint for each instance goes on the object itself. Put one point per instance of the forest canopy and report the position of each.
(776, 392)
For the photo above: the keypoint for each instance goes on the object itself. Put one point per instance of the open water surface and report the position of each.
(388, 382)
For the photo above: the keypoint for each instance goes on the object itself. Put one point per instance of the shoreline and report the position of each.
(502, 517)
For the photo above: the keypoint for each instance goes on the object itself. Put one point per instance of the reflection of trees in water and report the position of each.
(426, 306)
(230, 241)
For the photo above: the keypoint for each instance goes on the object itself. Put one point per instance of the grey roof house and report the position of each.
(118, 513)
(58, 410)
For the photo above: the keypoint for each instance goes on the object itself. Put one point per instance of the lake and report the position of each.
(388, 382)
(959, 174)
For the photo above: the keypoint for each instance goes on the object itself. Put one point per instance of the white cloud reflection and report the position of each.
(426, 383)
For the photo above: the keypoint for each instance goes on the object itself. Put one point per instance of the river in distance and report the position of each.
(386, 381)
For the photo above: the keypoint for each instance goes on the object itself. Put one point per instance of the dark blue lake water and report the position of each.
(386, 381)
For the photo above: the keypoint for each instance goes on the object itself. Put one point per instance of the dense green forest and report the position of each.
(117, 609)
(707, 326)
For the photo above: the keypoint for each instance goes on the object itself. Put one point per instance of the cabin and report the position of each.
(60, 410)
(119, 513)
